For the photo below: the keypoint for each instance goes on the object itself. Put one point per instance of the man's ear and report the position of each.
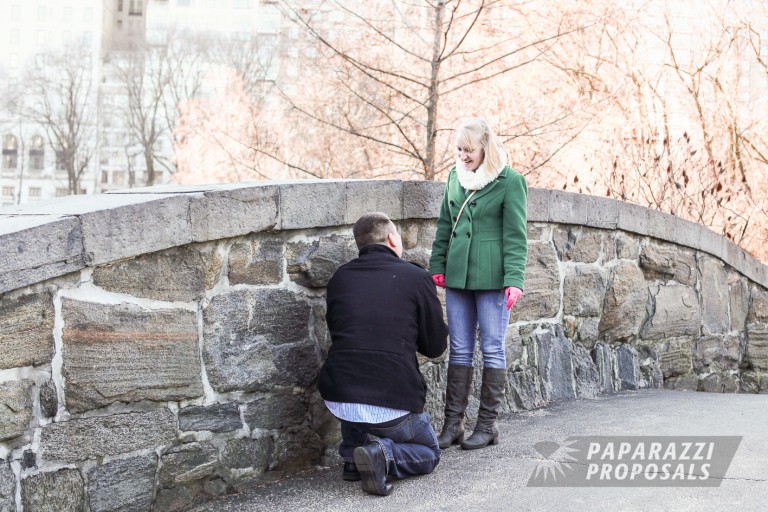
(391, 240)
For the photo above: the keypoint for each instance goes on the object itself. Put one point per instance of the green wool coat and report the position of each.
(490, 246)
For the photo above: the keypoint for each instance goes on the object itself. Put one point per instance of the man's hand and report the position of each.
(439, 280)
(512, 293)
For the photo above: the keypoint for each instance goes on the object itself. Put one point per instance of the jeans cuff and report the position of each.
(386, 449)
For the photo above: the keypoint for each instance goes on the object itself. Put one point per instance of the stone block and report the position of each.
(176, 274)
(26, 338)
(554, 364)
(583, 291)
(675, 357)
(711, 242)
(242, 331)
(625, 301)
(215, 418)
(634, 218)
(651, 375)
(256, 262)
(585, 374)
(758, 305)
(49, 400)
(297, 449)
(187, 463)
(673, 311)
(15, 408)
(421, 199)
(666, 261)
(86, 438)
(541, 299)
(7, 488)
(35, 248)
(539, 232)
(757, 346)
(538, 204)
(126, 353)
(247, 453)
(627, 368)
(312, 203)
(177, 499)
(627, 246)
(276, 411)
(738, 293)
(662, 225)
(721, 350)
(524, 390)
(312, 264)
(567, 207)
(365, 196)
(604, 361)
(118, 226)
(577, 244)
(124, 485)
(682, 383)
(714, 293)
(57, 491)
(602, 212)
(229, 213)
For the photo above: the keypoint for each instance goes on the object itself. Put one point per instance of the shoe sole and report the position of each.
(351, 477)
(365, 467)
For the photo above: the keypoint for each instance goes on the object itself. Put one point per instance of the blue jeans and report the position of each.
(466, 309)
(409, 443)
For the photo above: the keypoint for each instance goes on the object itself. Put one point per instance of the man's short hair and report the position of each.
(372, 228)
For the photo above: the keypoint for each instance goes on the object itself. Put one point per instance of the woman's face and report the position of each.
(472, 159)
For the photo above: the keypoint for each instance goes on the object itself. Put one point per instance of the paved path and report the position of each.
(496, 478)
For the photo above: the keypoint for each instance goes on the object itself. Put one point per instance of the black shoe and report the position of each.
(350, 473)
(372, 466)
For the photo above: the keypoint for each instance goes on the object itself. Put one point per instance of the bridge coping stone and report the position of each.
(39, 241)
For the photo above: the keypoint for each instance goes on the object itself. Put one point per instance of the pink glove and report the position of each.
(512, 293)
(439, 280)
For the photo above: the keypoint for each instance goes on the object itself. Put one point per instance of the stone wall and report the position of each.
(160, 346)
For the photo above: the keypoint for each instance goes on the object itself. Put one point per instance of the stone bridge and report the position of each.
(159, 346)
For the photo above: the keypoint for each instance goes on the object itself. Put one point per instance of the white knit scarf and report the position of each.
(474, 180)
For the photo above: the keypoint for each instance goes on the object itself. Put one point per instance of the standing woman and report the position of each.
(479, 256)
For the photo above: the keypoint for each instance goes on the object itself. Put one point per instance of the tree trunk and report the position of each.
(434, 94)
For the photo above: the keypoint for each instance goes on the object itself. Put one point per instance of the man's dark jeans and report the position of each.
(408, 442)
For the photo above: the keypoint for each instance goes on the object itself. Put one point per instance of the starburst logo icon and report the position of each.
(557, 462)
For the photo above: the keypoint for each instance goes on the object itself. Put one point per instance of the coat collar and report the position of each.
(476, 180)
(377, 248)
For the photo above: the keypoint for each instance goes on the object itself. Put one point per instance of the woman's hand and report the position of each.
(512, 293)
(439, 280)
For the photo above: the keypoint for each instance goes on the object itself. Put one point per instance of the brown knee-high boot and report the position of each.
(491, 396)
(456, 399)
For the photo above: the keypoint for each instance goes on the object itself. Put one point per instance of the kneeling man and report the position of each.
(382, 310)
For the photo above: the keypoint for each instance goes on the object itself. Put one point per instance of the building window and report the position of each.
(87, 38)
(13, 61)
(8, 192)
(183, 3)
(119, 24)
(10, 152)
(15, 12)
(61, 192)
(40, 61)
(15, 37)
(104, 177)
(118, 177)
(42, 10)
(35, 192)
(135, 8)
(119, 5)
(88, 15)
(61, 160)
(36, 153)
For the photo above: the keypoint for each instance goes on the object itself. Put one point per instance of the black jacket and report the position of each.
(381, 311)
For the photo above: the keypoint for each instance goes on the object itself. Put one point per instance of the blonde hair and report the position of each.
(495, 154)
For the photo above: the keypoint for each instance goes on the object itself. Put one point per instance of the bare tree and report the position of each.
(58, 96)
(403, 73)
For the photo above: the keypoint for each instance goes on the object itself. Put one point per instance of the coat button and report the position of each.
(468, 235)
(452, 203)
(454, 219)
(473, 203)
